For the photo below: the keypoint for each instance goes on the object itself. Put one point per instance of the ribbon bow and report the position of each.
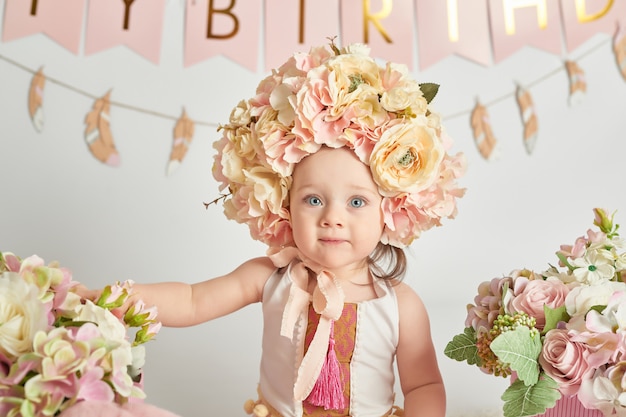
(327, 301)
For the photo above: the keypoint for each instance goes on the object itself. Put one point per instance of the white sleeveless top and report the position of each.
(371, 369)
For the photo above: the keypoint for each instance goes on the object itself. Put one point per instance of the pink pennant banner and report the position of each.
(226, 27)
(294, 26)
(137, 24)
(519, 23)
(385, 25)
(61, 20)
(584, 19)
(484, 31)
(453, 27)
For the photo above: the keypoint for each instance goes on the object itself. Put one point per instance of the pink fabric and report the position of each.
(106, 409)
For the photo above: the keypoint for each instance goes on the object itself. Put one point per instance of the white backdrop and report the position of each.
(133, 221)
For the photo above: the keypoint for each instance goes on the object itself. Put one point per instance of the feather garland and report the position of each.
(619, 49)
(577, 82)
(35, 99)
(183, 135)
(98, 132)
(484, 138)
(529, 118)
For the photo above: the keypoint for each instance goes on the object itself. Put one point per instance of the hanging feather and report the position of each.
(98, 132)
(183, 135)
(485, 141)
(577, 82)
(35, 99)
(529, 118)
(619, 48)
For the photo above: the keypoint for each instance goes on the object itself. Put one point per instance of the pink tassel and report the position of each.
(328, 389)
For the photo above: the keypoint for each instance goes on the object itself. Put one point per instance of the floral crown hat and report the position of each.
(338, 97)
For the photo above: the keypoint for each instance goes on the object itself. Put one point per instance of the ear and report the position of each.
(287, 207)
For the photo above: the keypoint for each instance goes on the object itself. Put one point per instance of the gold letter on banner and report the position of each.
(301, 28)
(127, 4)
(226, 11)
(374, 18)
(511, 5)
(581, 11)
(33, 8)
(453, 20)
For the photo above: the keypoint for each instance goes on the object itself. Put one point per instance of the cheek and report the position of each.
(381, 226)
(375, 226)
(300, 226)
(377, 218)
(377, 232)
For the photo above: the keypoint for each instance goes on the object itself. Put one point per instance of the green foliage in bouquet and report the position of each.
(520, 348)
(529, 400)
(463, 347)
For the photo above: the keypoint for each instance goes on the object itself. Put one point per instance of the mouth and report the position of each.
(332, 241)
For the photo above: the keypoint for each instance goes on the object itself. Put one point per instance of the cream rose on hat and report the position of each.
(338, 97)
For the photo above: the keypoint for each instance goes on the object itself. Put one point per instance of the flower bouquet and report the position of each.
(560, 334)
(57, 349)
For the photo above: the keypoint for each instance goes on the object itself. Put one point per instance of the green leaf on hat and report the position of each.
(463, 347)
(519, 348)
(429, 90)
(522, 400)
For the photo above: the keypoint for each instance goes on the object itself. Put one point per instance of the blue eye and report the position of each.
(357, 202)
(313, 201)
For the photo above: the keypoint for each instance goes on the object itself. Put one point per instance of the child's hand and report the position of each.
(94, 296)
(124, 304)
(112, 301)
(87, 294)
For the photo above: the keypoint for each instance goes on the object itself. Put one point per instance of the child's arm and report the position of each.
(180, 304)
(420, 379)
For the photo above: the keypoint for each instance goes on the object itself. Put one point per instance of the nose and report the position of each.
(332, 216)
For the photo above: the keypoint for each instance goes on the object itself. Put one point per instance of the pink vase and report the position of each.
(570, 407)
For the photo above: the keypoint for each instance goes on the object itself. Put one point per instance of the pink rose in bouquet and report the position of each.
(565, 360)
(531, 297)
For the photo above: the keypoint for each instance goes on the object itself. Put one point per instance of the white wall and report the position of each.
(109, 224)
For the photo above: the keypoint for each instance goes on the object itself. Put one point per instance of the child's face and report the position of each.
(335, 209)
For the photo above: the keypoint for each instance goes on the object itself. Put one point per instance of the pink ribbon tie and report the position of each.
(327, 299)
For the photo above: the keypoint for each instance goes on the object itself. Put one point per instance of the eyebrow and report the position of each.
(358, 187)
